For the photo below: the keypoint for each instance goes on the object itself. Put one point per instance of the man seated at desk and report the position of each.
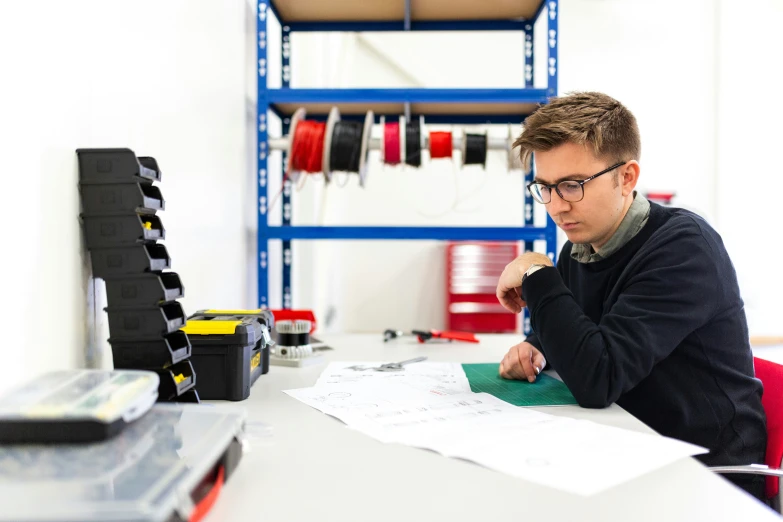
(643, 308)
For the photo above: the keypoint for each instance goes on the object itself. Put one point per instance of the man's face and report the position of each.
(597, 216)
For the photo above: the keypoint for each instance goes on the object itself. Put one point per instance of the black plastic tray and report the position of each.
(136, 259)
(145, 323)
(116, 166)
(112, 231)
(143, 290)
(151, 354)
(169, 388)
(120, 198)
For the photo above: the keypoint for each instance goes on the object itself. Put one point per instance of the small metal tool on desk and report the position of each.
(388, 367)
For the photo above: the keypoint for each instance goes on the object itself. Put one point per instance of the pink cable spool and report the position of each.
(392, 151)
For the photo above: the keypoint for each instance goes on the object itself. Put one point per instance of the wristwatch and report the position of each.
(531, 270)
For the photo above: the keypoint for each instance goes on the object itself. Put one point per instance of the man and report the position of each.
(643, 308)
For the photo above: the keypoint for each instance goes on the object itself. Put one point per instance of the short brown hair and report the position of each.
(585, 118)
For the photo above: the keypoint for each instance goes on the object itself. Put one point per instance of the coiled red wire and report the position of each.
(307, 150)
(440, 145)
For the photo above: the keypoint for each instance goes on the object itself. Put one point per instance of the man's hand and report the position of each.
(522, 361)
(509, 290)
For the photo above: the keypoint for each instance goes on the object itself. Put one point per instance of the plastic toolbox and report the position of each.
(175, 380)
(151, 354)
(115, 166)
(145, 323)
(228, 354)
(263, 316)
(136, 259)
(140, 290)
(111, 231)
(120, 198)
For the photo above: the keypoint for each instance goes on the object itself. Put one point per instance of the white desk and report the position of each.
(312, 468)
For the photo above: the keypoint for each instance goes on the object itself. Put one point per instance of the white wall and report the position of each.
(687, 69)
(163, 78)
(748, 148)
(172, 79)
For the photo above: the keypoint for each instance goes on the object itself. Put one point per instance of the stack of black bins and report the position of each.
(121, 228)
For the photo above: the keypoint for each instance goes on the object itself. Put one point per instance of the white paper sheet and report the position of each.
(436, 377)
(577, 456)
(342, 401)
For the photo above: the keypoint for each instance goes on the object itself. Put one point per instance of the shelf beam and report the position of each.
(419, 95)
(399, 25)
(510, 118)
(407, 233)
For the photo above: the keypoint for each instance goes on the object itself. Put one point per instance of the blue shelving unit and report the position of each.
(490, 106)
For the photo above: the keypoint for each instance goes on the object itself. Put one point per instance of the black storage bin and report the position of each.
(113, 231)
(227, 354)
(120, 198)
(264, 317)
(115, 166)
(150, 354)
(175, 381)
(136, 259)
(145, 323)
(143, 290)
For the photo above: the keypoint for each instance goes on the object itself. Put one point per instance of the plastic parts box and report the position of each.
(120, 198)
(115, 166)
(136, 259)
(144, 289)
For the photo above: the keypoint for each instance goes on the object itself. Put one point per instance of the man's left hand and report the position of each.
(509, 290)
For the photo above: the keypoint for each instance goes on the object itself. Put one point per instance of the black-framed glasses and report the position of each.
(570, 190)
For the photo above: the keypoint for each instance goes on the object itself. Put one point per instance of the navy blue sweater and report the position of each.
(659, 328)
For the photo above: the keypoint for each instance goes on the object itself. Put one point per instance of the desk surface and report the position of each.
(308, 466)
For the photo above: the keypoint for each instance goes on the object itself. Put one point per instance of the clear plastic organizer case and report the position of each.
(150, 472)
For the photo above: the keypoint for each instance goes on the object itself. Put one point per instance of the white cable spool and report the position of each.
(298, 116)
(402, 141)
(383, 141)
(334, 117)
(422, 134)
(298, 327)
(369, 119)
(514, 162)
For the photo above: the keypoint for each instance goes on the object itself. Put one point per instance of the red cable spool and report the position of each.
(440, 145)
(307, 149)
(391, 143)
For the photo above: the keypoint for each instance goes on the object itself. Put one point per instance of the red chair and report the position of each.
(771, 375)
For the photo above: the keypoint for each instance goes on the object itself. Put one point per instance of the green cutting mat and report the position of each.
(546, 391)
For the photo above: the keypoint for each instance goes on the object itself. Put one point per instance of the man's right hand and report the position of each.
(522, 362)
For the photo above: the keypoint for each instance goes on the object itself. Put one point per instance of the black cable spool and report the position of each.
(345, 151)
(293, 339)
(413, 143)
(475, 149)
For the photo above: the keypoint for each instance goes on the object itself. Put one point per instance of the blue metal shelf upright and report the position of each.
(490, 106)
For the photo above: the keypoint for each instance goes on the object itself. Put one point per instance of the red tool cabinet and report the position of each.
(472, 272)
